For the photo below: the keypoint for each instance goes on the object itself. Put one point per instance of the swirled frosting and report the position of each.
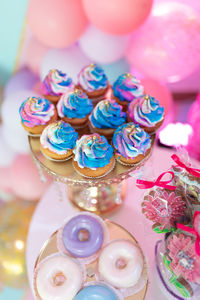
(93, 151)
(127, 87)
(74, 104)
(56, 83)
(92, 78)
(36, 111)
(146, 111)
(130, 140)
(107, 114)
(59, 137)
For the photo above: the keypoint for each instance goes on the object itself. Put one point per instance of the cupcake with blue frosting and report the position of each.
(132, 144)
(93, 81)
(58, 140)
(93, 156)
(55, 84)
(147, 112)
(127, 88)
(106, 117)
(74, 108)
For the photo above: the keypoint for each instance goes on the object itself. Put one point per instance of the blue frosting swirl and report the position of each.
(130, 140)
(74, 104)
(59, 137)
(93, 151)
(127, 87)
(146, 111)
(92, 78)
(107, 114)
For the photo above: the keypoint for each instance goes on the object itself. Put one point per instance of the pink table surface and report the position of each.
(51, 212)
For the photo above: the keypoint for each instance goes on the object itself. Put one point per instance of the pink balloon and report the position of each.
(167, 46)
(160, 92)
(5, 176)
(56, 23)
(35, 52)
(25, 179)
(117, 16)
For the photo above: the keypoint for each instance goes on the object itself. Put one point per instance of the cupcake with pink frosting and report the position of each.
(36, 114)
(55, 84)
(132, 144)
(147, 112)
(93, 81)
(127, 88)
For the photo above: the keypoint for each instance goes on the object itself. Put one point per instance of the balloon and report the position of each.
(70, 61)
(160, 92)
(17, 140)
(167, 46)
(15, 218)
(115, 69)
(117, 16)
(6, 191)
(35, 52)
(56, 23)
(24, 79)
(7, 155)
(102, 47)
(25, 179)
(10, 109)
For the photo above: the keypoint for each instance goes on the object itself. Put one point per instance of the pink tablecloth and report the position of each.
(51, 212)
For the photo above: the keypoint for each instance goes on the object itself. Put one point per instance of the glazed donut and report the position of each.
(120, 263)
(58, 277)
(97, 291)
(83, 235)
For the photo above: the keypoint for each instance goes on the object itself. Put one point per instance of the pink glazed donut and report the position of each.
(58, 277)
(121, 263)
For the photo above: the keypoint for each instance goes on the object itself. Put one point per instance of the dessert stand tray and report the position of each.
(115, 232)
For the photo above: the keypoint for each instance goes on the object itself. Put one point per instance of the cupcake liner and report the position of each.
(112, 167)
(136, 164)
(126, 292)
(33, 134)
(85, 260)
(45, 259)
(81, 126)
(103, 283)
(57, 160)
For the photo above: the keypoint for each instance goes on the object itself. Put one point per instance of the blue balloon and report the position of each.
(115, 69)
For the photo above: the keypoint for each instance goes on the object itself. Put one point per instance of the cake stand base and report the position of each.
(97, 199)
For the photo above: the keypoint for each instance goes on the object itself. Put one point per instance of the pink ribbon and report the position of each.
(192, 171)
(194, 230)
(145, 184)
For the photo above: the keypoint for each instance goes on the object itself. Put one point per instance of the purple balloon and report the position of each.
(24, 79)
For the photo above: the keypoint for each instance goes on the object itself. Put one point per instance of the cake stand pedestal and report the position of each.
(100, 196)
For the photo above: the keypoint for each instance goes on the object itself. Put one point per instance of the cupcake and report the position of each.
(106, 117)
(127, 88)
(132, 144)
(93, 156)
(74, 108)
(147, 112)
(58, 140)
(36, 114)
(55, 84)
(93, 81)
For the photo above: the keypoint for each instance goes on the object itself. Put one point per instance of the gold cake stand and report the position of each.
(115, 232)
(100, 196)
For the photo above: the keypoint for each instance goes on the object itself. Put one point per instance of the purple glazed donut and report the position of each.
(90, 229)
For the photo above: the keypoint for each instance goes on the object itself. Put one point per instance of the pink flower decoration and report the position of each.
(185, 262)
(163, 207)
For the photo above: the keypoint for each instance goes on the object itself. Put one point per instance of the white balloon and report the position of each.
(17, 140)
(10, 109)
(69, 61)
(102, 47)
(7, 155)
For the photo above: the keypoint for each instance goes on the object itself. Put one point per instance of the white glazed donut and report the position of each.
(121, 263)
(58, 277)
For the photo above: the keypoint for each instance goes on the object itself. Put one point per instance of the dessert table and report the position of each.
(54, 207)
